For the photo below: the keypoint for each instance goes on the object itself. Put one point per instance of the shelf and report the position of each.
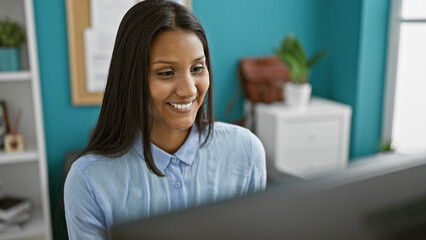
(32, 229)
(15, 76)
(25, 173)
(30, 155)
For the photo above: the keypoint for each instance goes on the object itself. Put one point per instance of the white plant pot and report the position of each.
(297, 95)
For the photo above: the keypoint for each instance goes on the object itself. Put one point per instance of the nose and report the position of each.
(186, 86)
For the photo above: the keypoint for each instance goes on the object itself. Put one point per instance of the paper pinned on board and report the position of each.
(107, 14)
(99, 39)
(98, 50)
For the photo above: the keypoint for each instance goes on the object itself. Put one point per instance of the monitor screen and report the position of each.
(383, 199)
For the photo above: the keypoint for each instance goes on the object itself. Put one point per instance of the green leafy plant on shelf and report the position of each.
(386, 146)
(11, 34)
(293, 55)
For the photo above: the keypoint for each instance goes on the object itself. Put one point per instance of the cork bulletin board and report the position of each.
(78, 19)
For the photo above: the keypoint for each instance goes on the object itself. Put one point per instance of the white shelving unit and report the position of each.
(306, 142)
(15, 76)
(25, 174)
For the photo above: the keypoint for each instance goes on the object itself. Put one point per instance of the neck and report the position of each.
(169, 140)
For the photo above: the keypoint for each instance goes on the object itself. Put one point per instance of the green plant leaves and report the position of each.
(386, 146)
(298, 71)
(11, 34)
(294, 56)
(316, 58)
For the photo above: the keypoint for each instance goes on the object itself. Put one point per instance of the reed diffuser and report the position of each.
(14, 142)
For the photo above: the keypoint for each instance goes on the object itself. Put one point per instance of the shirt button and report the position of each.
(174, 160)
(177, 184)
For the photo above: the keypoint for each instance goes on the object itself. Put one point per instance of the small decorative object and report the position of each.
(4, 125)
(297, 92)
(11, 38)
(14, 142)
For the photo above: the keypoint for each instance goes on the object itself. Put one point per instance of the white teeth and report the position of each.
(181, 106)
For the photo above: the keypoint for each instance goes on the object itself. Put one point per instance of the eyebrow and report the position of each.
(171, 62)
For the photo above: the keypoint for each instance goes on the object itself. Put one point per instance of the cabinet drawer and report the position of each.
(307, 136)
(308, 165)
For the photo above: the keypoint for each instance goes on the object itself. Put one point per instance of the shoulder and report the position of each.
(234, 133)
(227, 129)
(87, 160)
(90, 162)
(84, 164)
(91, 169)
(234, 139)
(77, 175)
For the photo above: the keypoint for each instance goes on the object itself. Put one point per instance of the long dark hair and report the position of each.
(125, 108)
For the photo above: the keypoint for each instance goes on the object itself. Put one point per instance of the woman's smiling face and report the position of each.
(178, 79)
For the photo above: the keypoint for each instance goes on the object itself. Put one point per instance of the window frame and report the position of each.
(395, 22)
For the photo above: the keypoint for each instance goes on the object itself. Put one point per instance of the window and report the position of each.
(404, 120)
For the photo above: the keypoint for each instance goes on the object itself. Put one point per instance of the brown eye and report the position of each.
(197, 70)
(166, 74)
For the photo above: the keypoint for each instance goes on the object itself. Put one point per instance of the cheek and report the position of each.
(203, 85)
(157, 91)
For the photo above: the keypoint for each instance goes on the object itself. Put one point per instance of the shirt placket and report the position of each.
(177, 186)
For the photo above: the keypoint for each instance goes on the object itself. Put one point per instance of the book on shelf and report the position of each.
(14, 212)
(15, 224)
(20, 218)
(10, 227)
(14, 209)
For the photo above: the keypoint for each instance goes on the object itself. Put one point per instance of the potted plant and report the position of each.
(12, 36)
(297, 91)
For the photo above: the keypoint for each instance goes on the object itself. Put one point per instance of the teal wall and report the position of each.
(345, 31)
(354, 32)
(256, 29)
(358, 43)
(344, 48)
(367, 121)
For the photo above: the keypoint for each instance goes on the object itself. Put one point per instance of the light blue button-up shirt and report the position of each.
(102, 191)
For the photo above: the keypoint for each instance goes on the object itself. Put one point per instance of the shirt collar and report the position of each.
(186, 152)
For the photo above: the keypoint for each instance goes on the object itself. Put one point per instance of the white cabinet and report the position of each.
(304, 142)
(25, 174)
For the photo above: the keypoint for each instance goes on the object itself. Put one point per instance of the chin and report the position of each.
(184, 125)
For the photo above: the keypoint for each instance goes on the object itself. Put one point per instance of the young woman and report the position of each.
(156, 148)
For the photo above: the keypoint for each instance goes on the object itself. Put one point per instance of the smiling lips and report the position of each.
(181, 106)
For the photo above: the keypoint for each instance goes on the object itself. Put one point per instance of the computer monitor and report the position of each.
(383, 199)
